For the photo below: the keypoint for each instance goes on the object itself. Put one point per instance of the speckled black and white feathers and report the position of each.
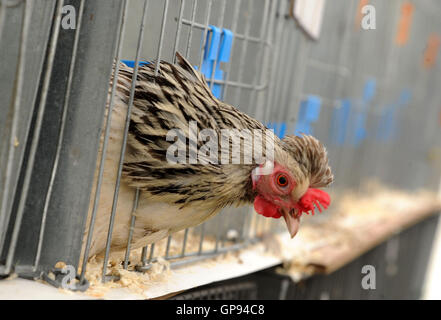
(311, 155)
(175, 97)
(175, 196)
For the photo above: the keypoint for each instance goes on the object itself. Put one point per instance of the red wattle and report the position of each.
(265, 208)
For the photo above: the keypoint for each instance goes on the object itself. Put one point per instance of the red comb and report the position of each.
(313, 197)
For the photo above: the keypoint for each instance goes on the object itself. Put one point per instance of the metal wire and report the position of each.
(204, 37)
(16, 108)
(265, 52)
(132, 227)
(105, 142)
(6, 203)
(202, 253)
(194, 256)
(264, 29)
(220, 24)
(190, 34)
(158, 59)
(2, 17)
(243, 51)
(237, 36)
(234, 30)
(283, 63)
(60, 136)
(177, 37)
(275, 59)
(276, 42)
(123, 148)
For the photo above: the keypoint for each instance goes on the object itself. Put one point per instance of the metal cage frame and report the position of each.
(46, 167)
(264, 43)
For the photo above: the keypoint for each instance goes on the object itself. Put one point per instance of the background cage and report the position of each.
(362, 93)
(398, 277)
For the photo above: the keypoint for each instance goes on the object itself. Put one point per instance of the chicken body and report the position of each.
(175, 196)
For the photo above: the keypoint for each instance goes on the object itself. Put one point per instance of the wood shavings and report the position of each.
(60, 265)
(12, 276)
(138, 282)
(358, 223)
(324, 243)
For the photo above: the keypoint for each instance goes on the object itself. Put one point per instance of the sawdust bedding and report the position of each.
(339, 228)
(138, 282)
(356, 224)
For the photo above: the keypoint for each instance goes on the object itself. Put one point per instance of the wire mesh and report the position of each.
(187, 13)
(265, 36)
(15, 124)
(272, 70)
(51, 172)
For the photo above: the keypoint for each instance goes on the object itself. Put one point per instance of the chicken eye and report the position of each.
(282, 180)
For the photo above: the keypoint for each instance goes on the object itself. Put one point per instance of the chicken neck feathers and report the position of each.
(171, 100)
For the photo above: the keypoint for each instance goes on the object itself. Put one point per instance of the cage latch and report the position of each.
(308, 114)
(216, 51)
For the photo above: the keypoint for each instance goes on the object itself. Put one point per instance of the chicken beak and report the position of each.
(292, 221)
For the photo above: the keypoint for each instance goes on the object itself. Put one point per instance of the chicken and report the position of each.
(175, 195)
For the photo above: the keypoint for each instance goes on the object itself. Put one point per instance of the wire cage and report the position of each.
(398, 277)
(34, 234)
(54, 88)
(48, 164)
